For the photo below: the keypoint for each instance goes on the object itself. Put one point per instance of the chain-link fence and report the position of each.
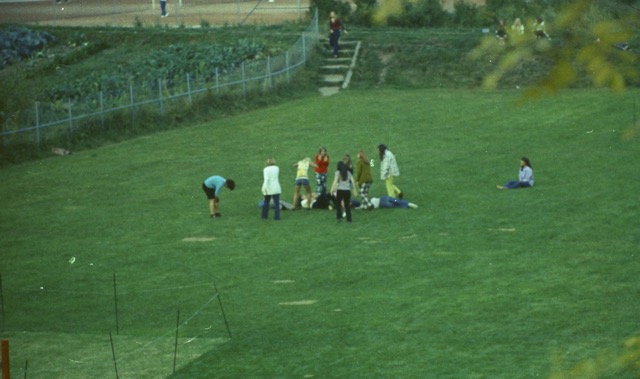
(46, 120)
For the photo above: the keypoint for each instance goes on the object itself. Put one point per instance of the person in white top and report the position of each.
(271, 188)
(389, 169)
(517, 27)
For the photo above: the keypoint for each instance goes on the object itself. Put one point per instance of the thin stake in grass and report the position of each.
(115, 297)
(113, 353)
(2, 301)
(175, 349)
(224, 316)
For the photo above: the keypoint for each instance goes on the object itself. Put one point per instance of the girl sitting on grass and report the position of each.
(525, 176)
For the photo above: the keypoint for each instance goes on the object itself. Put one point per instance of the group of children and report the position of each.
(348, 180)
(539, 30)
(344, 184)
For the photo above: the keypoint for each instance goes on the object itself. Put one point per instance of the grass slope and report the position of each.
(475, 283)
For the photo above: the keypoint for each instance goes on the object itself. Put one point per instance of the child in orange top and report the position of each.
(322, 167)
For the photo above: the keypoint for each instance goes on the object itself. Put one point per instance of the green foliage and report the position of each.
(169, 64)
(138, 24)
(616, 363)
(580, 47)
(88, 53)
(363, 17)
(425, 13)
(20, 43)
(467, 14)
(324, 7)
(432, 58)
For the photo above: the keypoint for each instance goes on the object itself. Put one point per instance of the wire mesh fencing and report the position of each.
(45, 121)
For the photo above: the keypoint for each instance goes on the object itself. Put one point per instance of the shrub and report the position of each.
(426, 13)
(19, 43)
(466, 14)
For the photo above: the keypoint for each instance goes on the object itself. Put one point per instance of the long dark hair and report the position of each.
(344, 170)
(526, 162)
(382, 148)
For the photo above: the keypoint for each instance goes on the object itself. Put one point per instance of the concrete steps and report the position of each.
(336, 72)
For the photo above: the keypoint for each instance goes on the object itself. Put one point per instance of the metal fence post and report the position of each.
(101, 110)
(244, 82)
(217, 82)
(70, 118)
(132, 103)
(316, 28)
(37, 124)
(269, 73)
(4, 129)
(286, 65)
(160, 96)
(189, 88)
(304, 48)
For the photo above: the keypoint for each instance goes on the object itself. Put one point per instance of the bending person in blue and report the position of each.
(212, 187)
(525, 176)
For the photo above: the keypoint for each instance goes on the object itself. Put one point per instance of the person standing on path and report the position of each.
(336, 28)
(271, 189)
(212, 187)
(163, 8)
(389, 169)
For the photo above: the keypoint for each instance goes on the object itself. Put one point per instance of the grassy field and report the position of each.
(475, 283)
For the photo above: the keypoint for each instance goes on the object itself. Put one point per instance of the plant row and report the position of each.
(20, 43)
(170, 64)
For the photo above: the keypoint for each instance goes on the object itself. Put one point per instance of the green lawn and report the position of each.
(475, 283)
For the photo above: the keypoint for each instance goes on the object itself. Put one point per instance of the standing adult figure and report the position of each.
(388, 170)
(163, 8)
(336, 28)
(525, 176)
(271, 188)
(322, 167)
(364, 178)
(343, 185)
(212, 187)
(302, 180)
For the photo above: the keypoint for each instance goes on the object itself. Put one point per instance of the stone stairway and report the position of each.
(336, 72)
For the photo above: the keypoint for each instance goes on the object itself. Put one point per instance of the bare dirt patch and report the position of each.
(300, 302)
(188, 13)
(198, 239)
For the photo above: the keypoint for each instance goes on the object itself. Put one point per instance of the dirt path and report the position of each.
(188, 13)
